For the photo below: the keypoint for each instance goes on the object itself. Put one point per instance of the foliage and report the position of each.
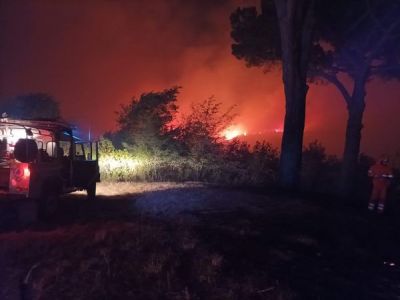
(32, 106)
(256, 167)
(349, 37)
(200, 154)
(263, 164)
(256, 36)
(365, 38)
(353, 41)
(283, 31)
(363, 44)
(201, 130)
(147, 122)
(151, 145)
(320, 172)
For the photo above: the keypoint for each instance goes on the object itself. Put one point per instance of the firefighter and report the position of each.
(381, 174)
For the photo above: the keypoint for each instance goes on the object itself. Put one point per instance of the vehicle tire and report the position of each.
(91, 191)
(48, 203)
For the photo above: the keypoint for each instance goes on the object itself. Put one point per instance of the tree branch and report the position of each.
(343, 64)
(379, 69)
(382, 41)
(374, 17)
(357, 23)
(339, 85)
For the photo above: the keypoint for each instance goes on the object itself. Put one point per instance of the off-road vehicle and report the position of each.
(40, 160)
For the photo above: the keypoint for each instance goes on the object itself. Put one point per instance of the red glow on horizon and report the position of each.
(92, 58)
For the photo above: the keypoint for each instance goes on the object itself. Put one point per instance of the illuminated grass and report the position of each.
(109, 188)
(231, 166)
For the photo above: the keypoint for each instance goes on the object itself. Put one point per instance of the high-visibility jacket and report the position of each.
(381, 174)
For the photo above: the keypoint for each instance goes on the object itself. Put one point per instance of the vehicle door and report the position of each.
(85, 164)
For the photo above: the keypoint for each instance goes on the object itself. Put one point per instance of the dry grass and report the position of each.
(140, 260)
(273, 247)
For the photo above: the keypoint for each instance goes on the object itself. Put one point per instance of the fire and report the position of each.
(233, 132)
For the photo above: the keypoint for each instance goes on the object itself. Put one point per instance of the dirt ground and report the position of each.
(193, 241)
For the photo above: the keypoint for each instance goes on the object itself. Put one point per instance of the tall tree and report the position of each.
(359, 40)
(282, 32)
(31, 106)
(354, 42)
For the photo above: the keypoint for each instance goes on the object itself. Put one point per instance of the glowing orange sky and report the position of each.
(93, 55)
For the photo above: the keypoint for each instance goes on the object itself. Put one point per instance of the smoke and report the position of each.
(93, 55)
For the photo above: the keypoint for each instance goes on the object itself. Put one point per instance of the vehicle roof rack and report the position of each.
(45, 124)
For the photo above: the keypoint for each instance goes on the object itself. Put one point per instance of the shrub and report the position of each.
(234, 164)
(320, 172)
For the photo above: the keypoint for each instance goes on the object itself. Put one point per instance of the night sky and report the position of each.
(94, 55)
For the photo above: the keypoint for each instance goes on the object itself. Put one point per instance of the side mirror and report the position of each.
(26, 150)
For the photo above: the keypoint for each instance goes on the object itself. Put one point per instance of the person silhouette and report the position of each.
(382, 175)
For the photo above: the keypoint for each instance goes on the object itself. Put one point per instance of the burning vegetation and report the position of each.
(230, 226)
(152, 145)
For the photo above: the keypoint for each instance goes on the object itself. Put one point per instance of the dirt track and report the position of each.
(264, 244)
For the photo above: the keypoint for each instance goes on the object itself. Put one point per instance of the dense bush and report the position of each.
(320, 172)
(151, 144)
(256, 166)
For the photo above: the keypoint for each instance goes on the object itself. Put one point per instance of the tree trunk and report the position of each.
(351, 152)
(296, 24)
(292, 139)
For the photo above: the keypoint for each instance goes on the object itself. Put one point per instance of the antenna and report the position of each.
(89, 134)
